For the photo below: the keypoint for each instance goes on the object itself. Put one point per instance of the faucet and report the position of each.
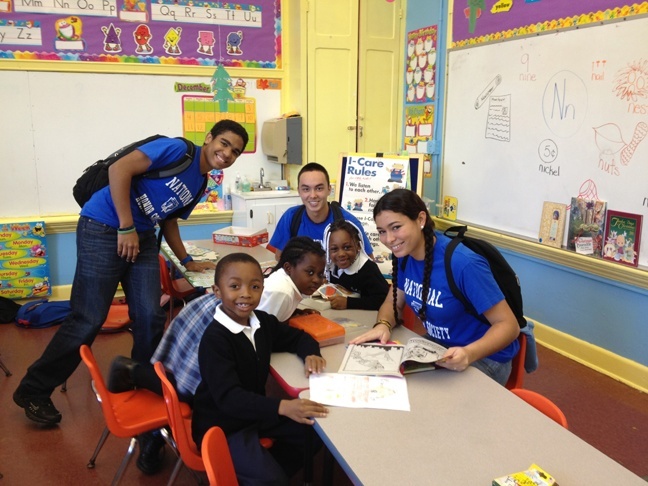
(261, 174)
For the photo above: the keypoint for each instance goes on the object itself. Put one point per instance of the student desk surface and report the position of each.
(463, 429)
(265, 257)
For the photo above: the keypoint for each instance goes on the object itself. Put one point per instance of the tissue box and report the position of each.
(240, 236)
(324, 331)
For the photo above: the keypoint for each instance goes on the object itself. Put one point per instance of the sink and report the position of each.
(257, 187)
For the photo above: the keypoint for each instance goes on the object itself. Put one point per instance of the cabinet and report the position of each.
(262, 209)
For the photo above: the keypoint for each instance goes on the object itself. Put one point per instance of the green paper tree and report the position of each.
(221, 86)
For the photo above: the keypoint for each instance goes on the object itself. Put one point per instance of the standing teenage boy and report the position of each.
(116, 243)
(314, 187)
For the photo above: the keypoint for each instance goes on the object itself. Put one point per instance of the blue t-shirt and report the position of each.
(446, 319)
(152, 200)
(311, 229)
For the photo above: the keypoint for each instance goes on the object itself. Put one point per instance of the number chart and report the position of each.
(199, 113)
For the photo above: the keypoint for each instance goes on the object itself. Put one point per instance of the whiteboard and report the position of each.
(54, 125)
(546, 118)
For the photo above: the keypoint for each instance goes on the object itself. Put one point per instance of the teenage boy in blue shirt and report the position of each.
(314, 187)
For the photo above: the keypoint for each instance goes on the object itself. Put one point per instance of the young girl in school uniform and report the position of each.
(406, 228)
(299, 273)
(234, 359)
(349, 266)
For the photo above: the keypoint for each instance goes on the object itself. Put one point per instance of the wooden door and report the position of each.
(353, 74)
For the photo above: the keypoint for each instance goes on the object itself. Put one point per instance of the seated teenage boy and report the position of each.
(234, 359)
(314, 187)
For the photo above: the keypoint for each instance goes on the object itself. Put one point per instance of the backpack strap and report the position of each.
(296, 220)
(334, 206)
(176, 167)
(337, 210)
(457, 234)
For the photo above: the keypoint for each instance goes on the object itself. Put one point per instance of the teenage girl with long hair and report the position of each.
(406, 228)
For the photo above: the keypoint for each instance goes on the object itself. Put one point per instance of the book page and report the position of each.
(384, 392)
(423, 350)
(372, 359)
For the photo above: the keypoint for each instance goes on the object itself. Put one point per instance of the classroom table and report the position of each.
(265, 257)
(463, 429)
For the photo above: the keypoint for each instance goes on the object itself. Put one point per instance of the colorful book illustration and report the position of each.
(552, 224)
(418, 354)
(586, 224)
(450, 208)
(622, 237)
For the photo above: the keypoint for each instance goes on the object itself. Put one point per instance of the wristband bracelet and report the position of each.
(186, 260)
(385, 322)
(127, 230)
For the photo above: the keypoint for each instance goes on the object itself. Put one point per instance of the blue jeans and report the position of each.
(98, 272)
(494, 369)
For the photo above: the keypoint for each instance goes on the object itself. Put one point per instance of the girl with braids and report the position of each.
(299, 273)
(349, 266)
(405, 227)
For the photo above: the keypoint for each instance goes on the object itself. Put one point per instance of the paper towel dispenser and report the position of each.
(281, 140)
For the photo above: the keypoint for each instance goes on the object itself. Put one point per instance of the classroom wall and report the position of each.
(61, 122)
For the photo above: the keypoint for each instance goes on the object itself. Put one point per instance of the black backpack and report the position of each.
(95, 177)
(8, 310)
(297, 217)
(504, 275)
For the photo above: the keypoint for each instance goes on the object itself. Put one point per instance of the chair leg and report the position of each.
(125, 461)
(102, 440)
(176, 471)
(4, 368)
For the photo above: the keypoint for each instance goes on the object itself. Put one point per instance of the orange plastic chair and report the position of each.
(177, 288)
(127, 414)
(516, 378)
(543, 404)
(411, 321)
(180, 422)
(117, 319)
(218, 460)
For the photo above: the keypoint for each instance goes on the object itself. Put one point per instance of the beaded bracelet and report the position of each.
(385, 322)
(127, 230)
(186, 260)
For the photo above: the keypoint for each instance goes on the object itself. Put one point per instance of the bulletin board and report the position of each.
(183, 32)
(495, 20)
(525, 125)
(364, 178)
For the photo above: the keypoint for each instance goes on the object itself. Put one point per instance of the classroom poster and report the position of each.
(475, 22)
(182, 32)
(200, 113)
(419, 130)
(420, 71)
(366, 179)
(24, 270)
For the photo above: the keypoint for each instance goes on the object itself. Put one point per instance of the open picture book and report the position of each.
(418, 354)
